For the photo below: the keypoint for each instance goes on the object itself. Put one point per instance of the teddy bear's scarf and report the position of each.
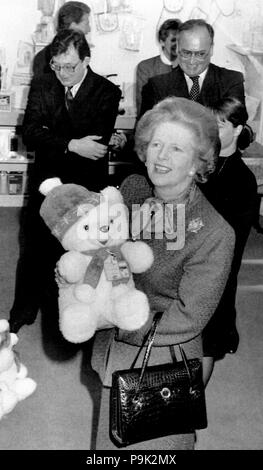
(96, 265)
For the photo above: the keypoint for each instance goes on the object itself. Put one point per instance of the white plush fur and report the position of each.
(49, 184)
(14, 383)
(82, 308)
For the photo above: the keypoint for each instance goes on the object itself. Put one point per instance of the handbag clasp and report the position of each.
(165, 393)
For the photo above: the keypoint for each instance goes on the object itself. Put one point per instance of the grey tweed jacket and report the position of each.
(186, 284)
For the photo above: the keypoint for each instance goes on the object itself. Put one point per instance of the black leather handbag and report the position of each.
(157, 401)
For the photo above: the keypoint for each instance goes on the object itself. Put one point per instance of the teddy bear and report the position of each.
(96, 286)
(14, 383)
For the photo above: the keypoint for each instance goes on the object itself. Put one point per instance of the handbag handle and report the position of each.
(150, 336)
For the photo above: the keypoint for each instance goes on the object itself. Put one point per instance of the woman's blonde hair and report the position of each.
(192, 116)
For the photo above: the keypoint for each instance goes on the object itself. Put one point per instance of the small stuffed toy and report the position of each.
(99, 290)
(14, 383)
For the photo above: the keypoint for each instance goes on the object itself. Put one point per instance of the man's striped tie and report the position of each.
(68, 97)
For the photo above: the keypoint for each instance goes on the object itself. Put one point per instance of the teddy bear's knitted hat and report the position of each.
(64, 204)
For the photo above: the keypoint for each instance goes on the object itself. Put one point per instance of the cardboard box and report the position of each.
(15, 182)
(6, 99)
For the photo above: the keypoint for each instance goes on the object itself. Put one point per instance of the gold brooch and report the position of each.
(195, 225)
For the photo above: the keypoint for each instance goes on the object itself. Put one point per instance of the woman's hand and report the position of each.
(118, 140)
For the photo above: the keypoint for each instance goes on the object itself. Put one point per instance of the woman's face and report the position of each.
(170, 156)
(227, 133)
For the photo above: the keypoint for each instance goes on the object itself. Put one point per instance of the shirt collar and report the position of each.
(166, 61)
(75, 87)
(201, 79)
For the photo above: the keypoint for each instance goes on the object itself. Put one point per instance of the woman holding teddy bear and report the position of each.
(179, 143)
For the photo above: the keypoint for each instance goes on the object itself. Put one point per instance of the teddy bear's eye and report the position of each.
(86, 227)
(111, 221)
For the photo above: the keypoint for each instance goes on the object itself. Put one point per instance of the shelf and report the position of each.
(6, 165)
(12, 119)
(15, 118)
(10, 200)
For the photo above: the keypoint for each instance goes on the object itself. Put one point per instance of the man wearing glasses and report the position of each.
(70, 115)
(195, 77)
(71, 15)
(69, 120)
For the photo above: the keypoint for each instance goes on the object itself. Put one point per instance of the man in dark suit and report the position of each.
(69, 119)
(162, 63)
(72, 15)
(195, 77)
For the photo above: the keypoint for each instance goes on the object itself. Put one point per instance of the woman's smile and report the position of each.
(161, 168)
(170, 158)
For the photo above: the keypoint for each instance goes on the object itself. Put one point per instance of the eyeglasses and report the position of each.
(198, 55)
(67, 68)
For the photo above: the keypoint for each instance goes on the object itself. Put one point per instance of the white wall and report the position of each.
(233, 20)
(18, 19)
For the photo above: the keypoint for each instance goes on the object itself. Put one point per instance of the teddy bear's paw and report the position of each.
(71, 266)
(24, 387)
(131, 310)
(77, 323)
(85, 293)
(9, 400)
(139, 256)
(22, 371)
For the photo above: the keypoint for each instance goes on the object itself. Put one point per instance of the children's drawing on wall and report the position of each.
(3, 68)
(112, 6)
(198, 14)
(131, 33)
(120, 6)
(99, 6)
(173, 6)
(45, 30)
(213, 10)
(107, 22)
(46, 6)
(25, 55)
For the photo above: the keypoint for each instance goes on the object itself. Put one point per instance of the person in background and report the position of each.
(178, 141)
(195, 78)
(232, 190)
(72, 15)
(68, 121)
(162, 63)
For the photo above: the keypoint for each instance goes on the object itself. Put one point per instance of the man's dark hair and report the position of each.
(166, 27)
(190, 25)
(71, 12)
(67, 37)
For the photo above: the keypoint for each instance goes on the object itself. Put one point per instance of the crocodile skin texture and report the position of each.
(166, 403)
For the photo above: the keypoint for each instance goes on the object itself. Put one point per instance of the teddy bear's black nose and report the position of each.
(104, 228)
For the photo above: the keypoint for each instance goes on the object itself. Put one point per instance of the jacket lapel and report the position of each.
(209, 89)
(177, 79)
(56, 95)
(86, 87)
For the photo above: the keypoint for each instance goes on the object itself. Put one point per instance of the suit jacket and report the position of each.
(186, 284)
(219, 83)
(41, 62)
(48, 127)
(146, 69)
(232, 190)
